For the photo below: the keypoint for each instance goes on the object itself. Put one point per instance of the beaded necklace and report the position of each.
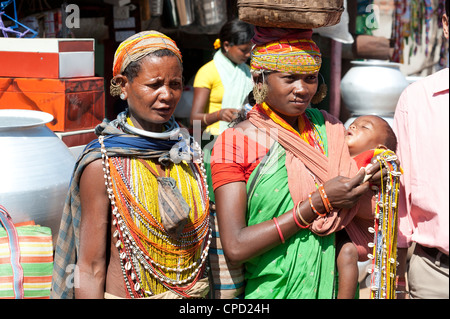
(152, 262)
(308, 131)
(384, 256)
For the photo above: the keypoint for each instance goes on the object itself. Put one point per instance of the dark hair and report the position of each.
(391, 139)
(236, 32)
(133, 69)
(447, 8)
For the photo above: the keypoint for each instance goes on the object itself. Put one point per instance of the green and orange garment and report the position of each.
(303, 267)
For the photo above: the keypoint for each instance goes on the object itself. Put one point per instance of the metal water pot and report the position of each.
(156, 7)
(373, 87)
(211, 12)
(35, 168)
(185, 9)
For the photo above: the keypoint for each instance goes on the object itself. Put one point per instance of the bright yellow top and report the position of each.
(208, 77)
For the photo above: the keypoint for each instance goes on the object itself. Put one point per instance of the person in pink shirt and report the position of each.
(422, 129)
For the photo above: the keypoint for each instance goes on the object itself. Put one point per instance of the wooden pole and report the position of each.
(335, 78)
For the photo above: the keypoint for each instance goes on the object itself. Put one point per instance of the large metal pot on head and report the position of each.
(35, 168)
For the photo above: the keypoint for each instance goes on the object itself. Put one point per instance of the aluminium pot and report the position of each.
(35, 168)
(373, 87)
(211, 12)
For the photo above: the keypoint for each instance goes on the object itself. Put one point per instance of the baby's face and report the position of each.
(365, 133)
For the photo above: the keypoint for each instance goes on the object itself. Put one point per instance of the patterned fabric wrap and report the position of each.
(26, 260)
(292, 52)
(139, 45)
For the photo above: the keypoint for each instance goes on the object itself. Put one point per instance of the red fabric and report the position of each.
(363, 159)
(234, 157)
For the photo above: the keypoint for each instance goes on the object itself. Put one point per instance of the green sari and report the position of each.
(304, 266)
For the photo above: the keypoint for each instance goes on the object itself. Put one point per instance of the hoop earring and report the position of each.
(321, 92)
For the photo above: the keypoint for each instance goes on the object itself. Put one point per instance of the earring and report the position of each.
(260, 93)
(115, 88)
(122, 96)
(321, 92)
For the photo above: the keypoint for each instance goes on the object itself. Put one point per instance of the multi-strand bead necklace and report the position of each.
(384, 256)
(152, 261)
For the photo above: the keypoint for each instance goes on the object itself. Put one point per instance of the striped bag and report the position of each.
(228, 280)
(26, 259)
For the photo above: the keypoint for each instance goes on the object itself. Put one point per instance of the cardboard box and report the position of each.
(76, 104)
(47, 58)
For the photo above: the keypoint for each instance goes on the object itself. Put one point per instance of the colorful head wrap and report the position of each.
(285, 50)
(139, 45)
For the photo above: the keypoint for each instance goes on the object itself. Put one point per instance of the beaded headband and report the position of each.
(139, 45)
(299, 56)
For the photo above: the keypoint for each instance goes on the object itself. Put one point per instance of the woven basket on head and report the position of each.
(300, 14)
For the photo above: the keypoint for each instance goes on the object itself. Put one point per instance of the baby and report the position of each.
(364, 135)
(369, 132)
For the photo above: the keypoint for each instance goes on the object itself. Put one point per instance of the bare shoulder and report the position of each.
(95, 203)
(93, 169)
(92, 181)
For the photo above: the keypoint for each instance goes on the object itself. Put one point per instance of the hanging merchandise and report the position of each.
(443, 54)
(412, 23)
(385, 230)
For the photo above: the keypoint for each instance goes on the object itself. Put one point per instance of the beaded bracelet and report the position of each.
(295, 212)
(325, 200)
(279, 229)
(312, 206)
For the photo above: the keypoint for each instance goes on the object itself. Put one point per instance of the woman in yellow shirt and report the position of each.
(222, 85)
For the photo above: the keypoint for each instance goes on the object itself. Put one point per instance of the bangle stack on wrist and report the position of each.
(295, 213)
(312, 206)
(325, 200)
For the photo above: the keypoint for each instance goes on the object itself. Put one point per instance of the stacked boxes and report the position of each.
(54, 76)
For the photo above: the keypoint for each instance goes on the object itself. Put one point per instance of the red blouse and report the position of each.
(234, 157)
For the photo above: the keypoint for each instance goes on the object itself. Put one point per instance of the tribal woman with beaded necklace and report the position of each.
(136, 219)
(291, 177)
